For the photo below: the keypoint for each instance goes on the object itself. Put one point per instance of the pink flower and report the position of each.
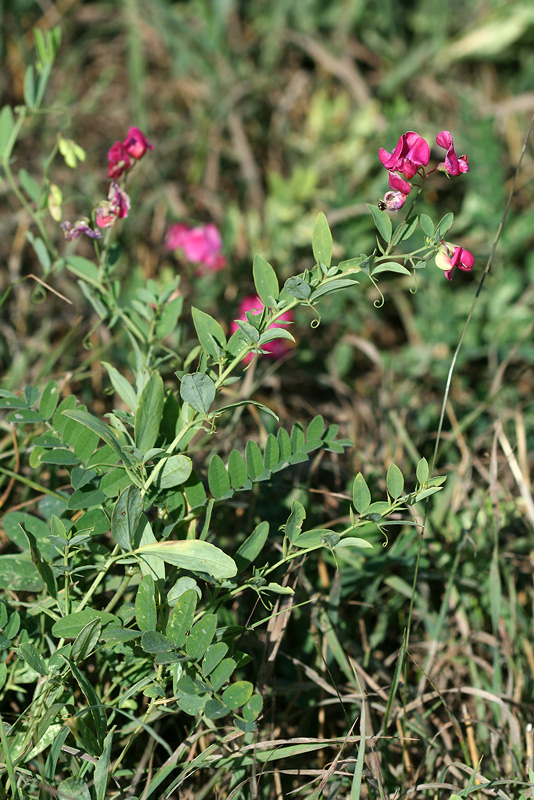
(398, 184)
(200, 245)
(118, 159)
(74, 230)
(453, 165)
(392, 201)
(115, 207)
(275, 349)
(412, 152)
(450, 256)
(136, 143)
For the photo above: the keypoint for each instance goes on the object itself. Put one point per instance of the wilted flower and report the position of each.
(136, 143)
(412, 152)
(119, 200)
(453, 165)
(200, 245)
(450, 256)
(119, 160)
(74, 230)
(275, 349)
(393, 201)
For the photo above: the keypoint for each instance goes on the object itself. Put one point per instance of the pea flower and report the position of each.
(136, 143)
(201, 245)
(74, 230)
(115, 207)
(392, 201)
(275, 349)
(453, 165)
(450, 256)
(119, 160)
(411, 152)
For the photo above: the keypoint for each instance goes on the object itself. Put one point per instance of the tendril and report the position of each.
(377, 303)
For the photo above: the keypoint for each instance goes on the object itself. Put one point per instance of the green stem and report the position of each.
(99, 578)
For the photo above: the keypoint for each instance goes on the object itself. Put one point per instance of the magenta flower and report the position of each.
(453, 165)
(412, 152)
(200, 245)
(136, 143)
(392, 201)
(120, 202)
(275, 349)
(119, 160)
(398, 184)
(450, 256)
(74, 230)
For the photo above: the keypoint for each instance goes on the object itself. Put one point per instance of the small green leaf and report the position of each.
(214, 655)
(87, 640)
(201, 636)
(298, 288)
(145, 605)
(391, 266)
(70, 626)
(155, 642)
(84, 269)
(222, 673)
(237, 470)
(73, 788)
(194, 555)
(125, 517)
(7, 125)
(361, 496)
(395, 481)
(427, 225)
(443, 225)
(149, 413)
(271, 455)
(382, 222)
(296, 518)
(237, 694)
(218, 479)
(181, 618)
(322, 241)
(214, 709)
(175, 472)
(254, 460)
(49, 400)
(422, 471)
(353, 541)
(33, 658)
(122, 387)
(252, 708)
(102, 768)
(199, 391)
(210, 334)
(265, 281)
(252, 546)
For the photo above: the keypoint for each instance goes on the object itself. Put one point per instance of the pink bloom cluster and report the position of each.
(201, 245)
(451, 256)
(275, 349)
(133, 147)
(117, 205)
(410, 156)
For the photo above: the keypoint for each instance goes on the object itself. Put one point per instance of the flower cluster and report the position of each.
(409, 158)
(119, 154)
(201, 245)
(450, 256)
(275, 349)
(117, 205)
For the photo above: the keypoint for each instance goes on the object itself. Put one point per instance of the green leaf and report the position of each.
(296, 518)
(272, 452)
(265, 281)
(145, 605)
(24, 415)
(237, 470)
(102, 768)
(181, 618)
(149, 413)
(199, 391)
(7, 125)
(61, 456)
(175, 472)
(353, 541)
(84, 269)
(30, 186)
(193, 555)
(391, 266)
(122, 387)
(18, 574)
(49, 400)
(237, 694)
(222, 673)
(361, 496)
(322, 241)
(395, 481)
(218, 479)
(422, 471)
(284, 443)
(210, 334)
(192, 705)
(319, 537)
(155, 642)
(214, 709)
(125, 517)
(427, 225)
(97, 426)
(33, 658)
(382, 222)
(254, 460)
(201, 636)
(252, 546)
(444, 225)
(29, 87)
(298, 288)
(73, 788)
(41, 251)
(70, 626)
(252, 708)
(194, 491)
(43, 568)
(407, 229)
(87, 640)
(214, 655)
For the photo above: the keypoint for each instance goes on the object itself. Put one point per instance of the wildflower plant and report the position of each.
(123, 570)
